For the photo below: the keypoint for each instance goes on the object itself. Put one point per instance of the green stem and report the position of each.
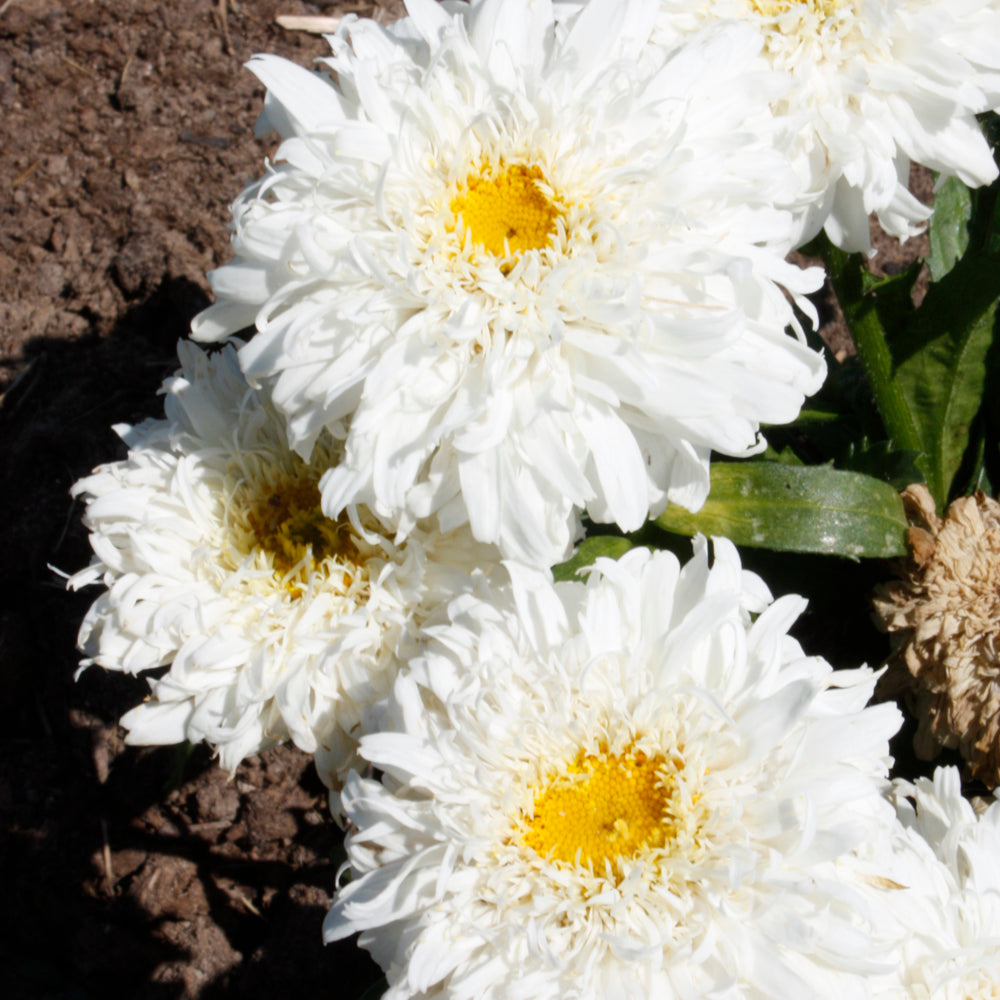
(845, 271)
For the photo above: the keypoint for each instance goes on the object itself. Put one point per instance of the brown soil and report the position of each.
(126, 132)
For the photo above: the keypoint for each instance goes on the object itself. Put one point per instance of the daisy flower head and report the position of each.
(876, 85)
(278, 623)
(637, 786)
(524, 270)
(951, 913)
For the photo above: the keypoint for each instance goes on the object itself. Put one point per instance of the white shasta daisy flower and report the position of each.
(876, 84)
(523, 270)
(950, 912)
(278, 622)
(635, 787)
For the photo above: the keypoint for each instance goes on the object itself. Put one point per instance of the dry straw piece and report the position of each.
(944, 617)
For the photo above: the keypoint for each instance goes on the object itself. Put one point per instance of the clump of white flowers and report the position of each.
(937, 871)
(634, 786)
(277, 622)
(518, 264)
(951, 912)
(523, 269)
(875, 86)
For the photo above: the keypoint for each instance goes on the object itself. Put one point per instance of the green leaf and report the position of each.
(990, 414)
(892, 293)
(983, 482)
(992, 240)
(941, 365)
(873, 308)
(949, 229)
(786, 456)
(972, 473)
(882, 460)
(807, 417)
(797, 509)
(847, 392)
(984, 228)
(612, 546)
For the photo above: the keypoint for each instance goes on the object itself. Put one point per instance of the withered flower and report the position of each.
(944, 618)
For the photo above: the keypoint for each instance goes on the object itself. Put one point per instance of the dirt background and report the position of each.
(126, 130)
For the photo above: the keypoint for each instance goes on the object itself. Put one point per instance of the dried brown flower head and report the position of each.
(944, 617)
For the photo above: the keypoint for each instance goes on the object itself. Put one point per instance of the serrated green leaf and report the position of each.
(882, 460)
(611, 546)
(873, 308)
(892, 297)
(786, 456)
(941, 365)
(848, 392)
(797, 509)
(895, 288)
(949, 228)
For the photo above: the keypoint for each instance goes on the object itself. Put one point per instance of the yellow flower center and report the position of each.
(772, 8)
(275, 517)
(288, 524)
(506, 211)
(604, 807)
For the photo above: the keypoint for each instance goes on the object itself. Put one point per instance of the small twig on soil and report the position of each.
(4, 6)
(120, 85)
(27, 173)
(125, 69)
(224, 26)
(76, 65)
(238, 897)
(106, 853)
(314, 25)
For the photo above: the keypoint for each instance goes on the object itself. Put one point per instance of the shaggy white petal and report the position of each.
(584, 352)
(630, 787)
(876, 84)
(947, 898)
(278, 623)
